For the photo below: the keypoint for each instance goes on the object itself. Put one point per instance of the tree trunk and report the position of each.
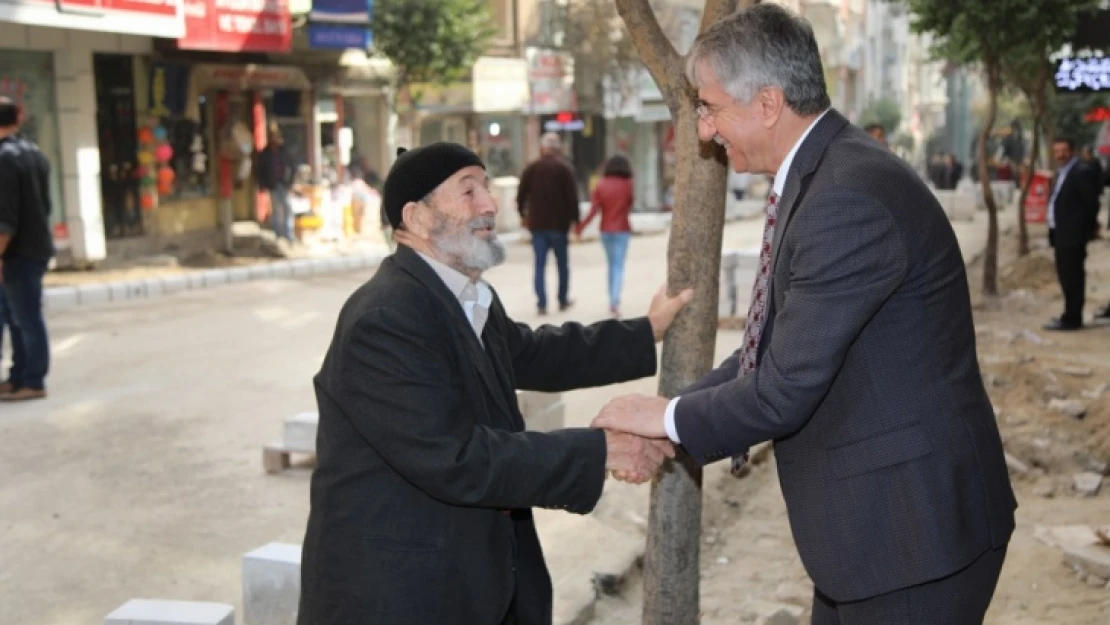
(990, 254)
(671, 561)
(1023, 238)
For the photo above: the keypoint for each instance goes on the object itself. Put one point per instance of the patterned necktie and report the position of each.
(757, 309)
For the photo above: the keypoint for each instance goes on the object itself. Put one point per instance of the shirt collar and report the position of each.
(457, 282)
(784, 169)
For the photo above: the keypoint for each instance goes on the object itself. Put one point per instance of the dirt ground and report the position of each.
(750, 569)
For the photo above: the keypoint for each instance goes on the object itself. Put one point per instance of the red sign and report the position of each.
(1099, 114)
(236, 25)
(1036, 204)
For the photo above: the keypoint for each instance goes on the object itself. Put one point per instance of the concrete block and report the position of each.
(236, 275)
(302, 268)
(195, 279)
(271, 584)
(58, 298)
(93, 294)
(335, 264)
(350, 263)
(282, 269)
(318, 265)
(261, 271)
(215, 277)
(299, 432)
(1091, 559)
(154, 287)
(131, 289)
(650, 222)
(175, 284)
(162, 612)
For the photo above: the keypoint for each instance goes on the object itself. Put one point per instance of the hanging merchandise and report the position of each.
(163, 153)
(166, 179)
(200, 159)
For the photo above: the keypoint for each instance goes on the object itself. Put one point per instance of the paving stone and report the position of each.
(272, 584)
(175, 284)
(302, 267)
(282, 269)
(261, 271)
(299, 432)
(215, 277)
(93, 294)
(236, 275)
(58, 298)
(165, 612)
(1088, 485)
(153, 287)
(1091, 559)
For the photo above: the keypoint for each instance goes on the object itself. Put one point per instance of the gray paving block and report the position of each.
(93, 294)
(61, 297)
(351, 263)
(299, 432)
(175, 284)
(318, 265)
(165, 612)
(236, 275)
(195, 280)
(131, 289)
(271, 584)
(153, 287)
(215, 277)
(261, 271)
(302, 267)
(335, 264)
(282, 269)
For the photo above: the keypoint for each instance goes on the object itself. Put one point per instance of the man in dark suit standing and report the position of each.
(1072, 223)
(422, 496)
(863, 370)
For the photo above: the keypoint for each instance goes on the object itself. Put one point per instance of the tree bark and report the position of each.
(1037, 107)
(990, 254)
(671, 561)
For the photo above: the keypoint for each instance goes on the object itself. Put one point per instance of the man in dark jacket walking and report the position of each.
(274, 172)
(547, 199)
(26, 247)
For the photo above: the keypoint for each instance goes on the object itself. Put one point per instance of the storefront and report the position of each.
(28, 79)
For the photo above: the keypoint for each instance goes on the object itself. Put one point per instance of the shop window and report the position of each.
(174, 141)
(116, 126)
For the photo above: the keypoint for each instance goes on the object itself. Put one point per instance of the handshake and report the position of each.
(635, 438)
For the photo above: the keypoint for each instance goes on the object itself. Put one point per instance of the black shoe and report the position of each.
(1056, 325)
(541, 311)
(565, 305)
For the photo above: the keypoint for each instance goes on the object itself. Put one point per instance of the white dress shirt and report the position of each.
(475, 297)
(779, 186)
(1060, 176)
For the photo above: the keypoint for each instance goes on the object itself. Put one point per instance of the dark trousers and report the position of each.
(30, 346)
(1071, 270)
(962, 598)
(542, 242)
(3, 323)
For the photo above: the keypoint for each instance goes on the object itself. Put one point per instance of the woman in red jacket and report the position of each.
(613, 199)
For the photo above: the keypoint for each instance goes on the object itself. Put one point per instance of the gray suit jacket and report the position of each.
(888, 451)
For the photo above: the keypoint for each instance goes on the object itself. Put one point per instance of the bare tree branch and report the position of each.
(715, 10)
(656, 50)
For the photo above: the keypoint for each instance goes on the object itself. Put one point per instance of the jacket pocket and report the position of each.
(879, 451)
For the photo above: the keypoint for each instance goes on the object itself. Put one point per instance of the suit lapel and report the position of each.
(805, 163)
(495, 344)
(411, 262)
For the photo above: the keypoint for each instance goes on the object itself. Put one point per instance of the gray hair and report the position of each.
(765, 45)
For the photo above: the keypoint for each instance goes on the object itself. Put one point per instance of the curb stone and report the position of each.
(66, 297)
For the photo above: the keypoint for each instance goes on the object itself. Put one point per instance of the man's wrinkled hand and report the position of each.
(664, 309)
(634, 459)
(642, 415)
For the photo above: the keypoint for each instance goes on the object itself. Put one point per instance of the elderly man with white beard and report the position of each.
(426, 477)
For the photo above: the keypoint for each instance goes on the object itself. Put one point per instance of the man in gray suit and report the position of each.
(862, 365)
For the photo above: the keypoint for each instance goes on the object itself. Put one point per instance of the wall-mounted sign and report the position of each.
(338, 37)
(237, 26)
(1083, 75)
(1097, 115)
(152, 18)
(564, 122)
(341, 11)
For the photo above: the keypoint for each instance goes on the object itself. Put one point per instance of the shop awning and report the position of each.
(247, 77)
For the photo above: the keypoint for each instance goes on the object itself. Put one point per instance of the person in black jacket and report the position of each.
(274, 170)
(1072, 220)
(423, 493)
(26, 247)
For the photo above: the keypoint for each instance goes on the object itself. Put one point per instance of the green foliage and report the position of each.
(883, 111)
(985, 32)
(1069, 109)
(431, 41)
